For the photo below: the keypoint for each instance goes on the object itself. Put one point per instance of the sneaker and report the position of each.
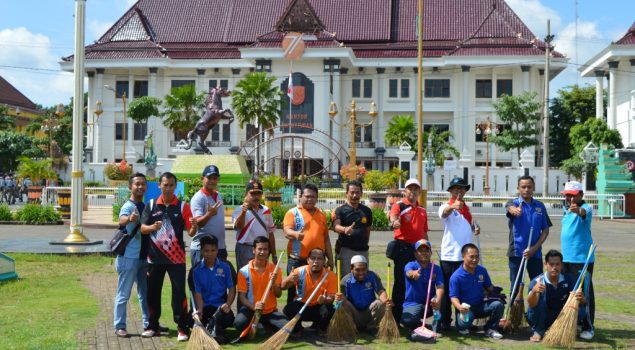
(464, 332)
(163, 329)
(492, 333)
(587, 335)
(182, 336)
(121, 333)
(148, 333)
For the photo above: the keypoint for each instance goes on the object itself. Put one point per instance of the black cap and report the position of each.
(459, 182)
(211, 170)
(254, 185)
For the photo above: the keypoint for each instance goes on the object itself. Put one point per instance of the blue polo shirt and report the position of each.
(467, 287)
(554, 296)
(534, 214)
(213, 282)
(417, 291)
(575, 238)
(361, 293)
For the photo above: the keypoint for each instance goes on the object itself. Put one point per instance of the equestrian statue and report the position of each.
(213, 115)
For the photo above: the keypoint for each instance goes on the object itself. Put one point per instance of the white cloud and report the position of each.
(535, 15)
(590, 41)
(96, 29)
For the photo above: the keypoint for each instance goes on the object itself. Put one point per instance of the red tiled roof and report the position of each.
(219, 28)
(11, 96)
(628, 38)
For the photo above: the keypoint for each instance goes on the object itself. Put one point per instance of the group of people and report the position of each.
(157, 247)
(11, 189)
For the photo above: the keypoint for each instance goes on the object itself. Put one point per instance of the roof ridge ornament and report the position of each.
(299, 17)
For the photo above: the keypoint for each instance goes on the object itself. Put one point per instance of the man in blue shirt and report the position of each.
(523, 214)
(417, 274)
(575, 241)
(213, 288)
(360, 288)
(467, 287)
(547, 295)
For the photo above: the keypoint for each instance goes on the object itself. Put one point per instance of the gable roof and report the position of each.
(628, 38)
(188, 29)
(11, 96)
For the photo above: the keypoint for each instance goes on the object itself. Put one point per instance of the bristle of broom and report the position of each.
(342, 327)
(563, 331)
(276, 341)
(201, 340)
(388, 330)
(516, 314)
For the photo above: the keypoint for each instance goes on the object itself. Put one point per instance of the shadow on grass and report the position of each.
(615, 338)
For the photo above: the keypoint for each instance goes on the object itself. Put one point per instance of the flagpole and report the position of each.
(290, 95)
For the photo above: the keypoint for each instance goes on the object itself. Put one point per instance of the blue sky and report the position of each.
(34, 34)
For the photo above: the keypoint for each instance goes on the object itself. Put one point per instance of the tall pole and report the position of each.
(124, 126)
(420, 96)
(487, 133)
(77, 175)
(353, 155)
(545, 134)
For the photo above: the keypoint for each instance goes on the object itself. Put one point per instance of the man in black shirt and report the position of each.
(352, 222)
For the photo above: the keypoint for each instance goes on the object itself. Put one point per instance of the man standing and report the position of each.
(457, 232)
(352, 222)
(575, 242)
(306, 228)
(526, 214)
(364, 296)
(467, 287)
(164, 219)
(132, 266)
(252, 220)
(409, 221)
(209, 211)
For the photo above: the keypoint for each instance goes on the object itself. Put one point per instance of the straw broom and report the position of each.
(276, 341)
(200, 339)
(388, 330)
(505, 323)
(517, 308)
(342, 327)
(563, 331)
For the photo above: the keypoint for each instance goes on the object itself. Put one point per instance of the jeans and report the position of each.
(275, 319)
(448, 268)
(317, 313)
(130, 271)
(534, 268)
(195, 257)
(540, 318)
(222, 321)
(493, 308)
(405, 255)
(413, 314)
(368, 318)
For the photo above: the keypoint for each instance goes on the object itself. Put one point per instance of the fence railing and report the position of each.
(96, 196)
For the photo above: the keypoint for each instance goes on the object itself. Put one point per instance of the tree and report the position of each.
(440, 145)
(183, 108)
(6, 121)
(257, 99)
(573, 105)
(522, 114)
(401, 128)
(14, 145)
(142, 108)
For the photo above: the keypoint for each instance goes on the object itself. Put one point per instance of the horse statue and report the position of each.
(213, 115)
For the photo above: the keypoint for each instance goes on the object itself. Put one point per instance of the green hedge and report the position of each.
(5, 213)
(380, 220)
(34, 213)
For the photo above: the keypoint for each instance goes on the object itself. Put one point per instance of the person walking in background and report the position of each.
(352, 222)
(132, 266)
(409, 221)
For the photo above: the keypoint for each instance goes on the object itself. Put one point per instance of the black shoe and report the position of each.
(164, 329)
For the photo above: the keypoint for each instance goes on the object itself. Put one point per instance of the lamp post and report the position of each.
(430, 165)
(50, 124)
(352, 121)
(589, 154)
(487, 128)
(125, 124)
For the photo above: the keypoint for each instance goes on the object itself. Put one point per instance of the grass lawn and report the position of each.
(48, 306)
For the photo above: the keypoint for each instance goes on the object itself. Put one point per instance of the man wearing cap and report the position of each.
(361, 289)
(417, 274)
(409, 221)
(457, 231)
(576, 240)
(252, 220)
(352, 222)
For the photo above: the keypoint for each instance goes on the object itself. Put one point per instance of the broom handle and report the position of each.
(388, 275)
(524, 268)
(515, 286)
(270, 285)
(339, 275)
(314, 292)
(425, 311)
(586, 264)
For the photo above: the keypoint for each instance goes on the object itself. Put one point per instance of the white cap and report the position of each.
(359, 259)
(572, 187)
(413, 182)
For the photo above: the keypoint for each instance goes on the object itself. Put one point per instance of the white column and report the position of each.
(90, 132)
(131, 154)
(98, 93)
(235, 139)
(200, 81)
(463, 132)
(338, 135)
(379, 126)
(153, 122)
(525, 79)
(493, 150)
(611, 120)
(599, 98)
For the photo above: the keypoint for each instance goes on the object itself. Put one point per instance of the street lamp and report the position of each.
(50, 124)
(487, 128)
(352, 121)
(125, 125)
(430, 165)
(590, 155)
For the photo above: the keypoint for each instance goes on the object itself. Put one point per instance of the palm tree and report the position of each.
(183, 108)
(440, 144)
(257, 100)
(401, 128)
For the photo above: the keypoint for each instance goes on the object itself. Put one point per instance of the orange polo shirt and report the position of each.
(258, 283)
(315, 230)
(306, 285)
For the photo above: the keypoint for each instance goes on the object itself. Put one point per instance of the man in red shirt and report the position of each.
(409, 221)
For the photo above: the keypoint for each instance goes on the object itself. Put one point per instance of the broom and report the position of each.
(200, 339)
(517, 307)
(423, 331)
(388, 330)
(342, 327)
(563, 330)
(276, 341)
(250, 331)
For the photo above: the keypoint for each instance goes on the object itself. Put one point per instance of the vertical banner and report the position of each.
(300, 95)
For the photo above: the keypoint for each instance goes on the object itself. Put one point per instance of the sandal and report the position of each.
(535, 338)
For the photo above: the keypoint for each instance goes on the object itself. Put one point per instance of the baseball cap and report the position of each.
(572, 187)
(254, 185)
(422, 241)
(458, 182)
(412, 182)
(359, 259)
(211, 170)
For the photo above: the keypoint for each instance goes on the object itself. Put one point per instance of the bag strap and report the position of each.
(258, 218)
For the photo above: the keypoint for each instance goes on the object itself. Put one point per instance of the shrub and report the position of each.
(272, 183)
(376, 180)
(94, 184)
(380, 219)
(118, 171)
(5, 213)
(329, 217)
(277, 213)
(33, 213)
(116, 207)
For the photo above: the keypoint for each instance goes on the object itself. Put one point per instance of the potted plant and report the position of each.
(117, 174)
(394, 176)
(355, 172)
(272, 184)
(36, 170)
(376, 181)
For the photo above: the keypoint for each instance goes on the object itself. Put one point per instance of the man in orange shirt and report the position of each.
(305, 279)
(409, 221)
(306, 228)
(253, 279)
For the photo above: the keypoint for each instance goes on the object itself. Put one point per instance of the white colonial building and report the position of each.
(474, 51)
